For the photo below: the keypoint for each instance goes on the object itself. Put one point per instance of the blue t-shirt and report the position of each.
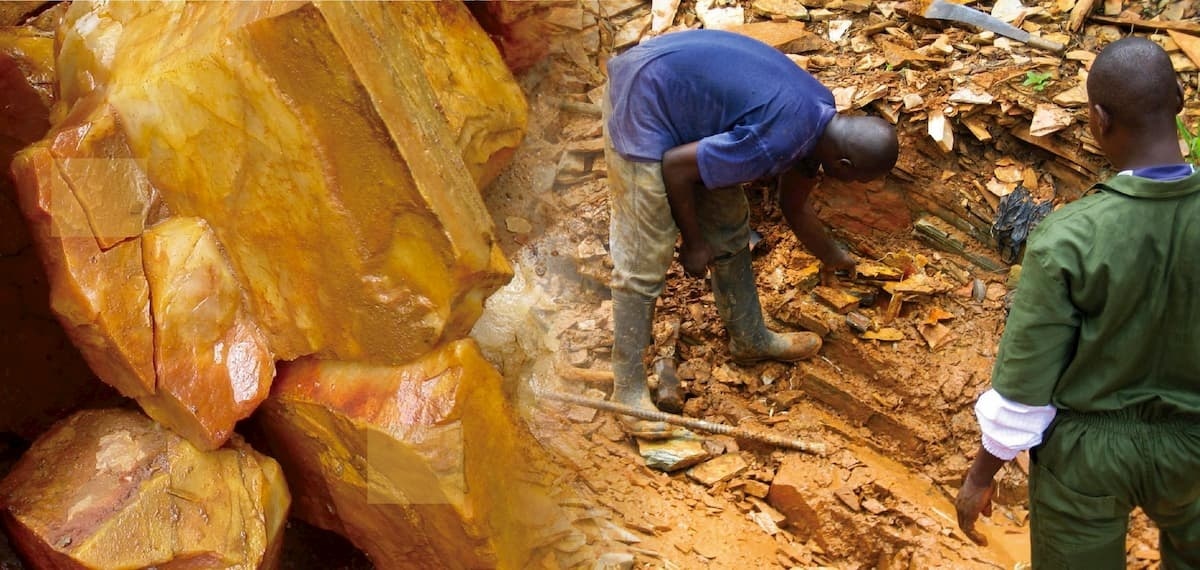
(754, 111)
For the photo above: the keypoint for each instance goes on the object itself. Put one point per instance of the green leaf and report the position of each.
(1192, 141)
(1036, 80)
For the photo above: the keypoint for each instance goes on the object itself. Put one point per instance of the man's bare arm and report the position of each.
(975, 495)
(795, 188)
(681, 176)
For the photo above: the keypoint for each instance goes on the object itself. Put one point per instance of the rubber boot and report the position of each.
(750, 340)
(633, 315)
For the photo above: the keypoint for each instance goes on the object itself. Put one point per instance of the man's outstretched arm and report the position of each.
(795, 187)
(975, 495)
(681, 176)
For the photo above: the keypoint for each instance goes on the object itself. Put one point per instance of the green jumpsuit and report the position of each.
(1105, 326)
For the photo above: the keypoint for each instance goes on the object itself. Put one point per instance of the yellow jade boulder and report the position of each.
(112, 489)
(234, 183)
(418, 465)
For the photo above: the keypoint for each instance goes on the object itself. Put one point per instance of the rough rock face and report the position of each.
(324, 170)
(520, 29)
(238, 183)
(35, 351)
(14, 13)
(112, 489)
(476, 94)
(418, 465)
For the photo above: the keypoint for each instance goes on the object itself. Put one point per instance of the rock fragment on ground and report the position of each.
(673, 454)
(718, 469)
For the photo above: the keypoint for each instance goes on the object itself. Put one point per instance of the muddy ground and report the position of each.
(898, 415)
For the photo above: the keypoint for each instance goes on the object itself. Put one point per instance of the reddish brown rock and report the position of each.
(864, 208)
(522, 29)
(418, 465)
(112, 489)
(790, 494)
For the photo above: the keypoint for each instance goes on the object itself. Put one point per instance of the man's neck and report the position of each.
(1152, 151)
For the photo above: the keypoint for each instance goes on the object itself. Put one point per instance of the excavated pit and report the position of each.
(897, 414)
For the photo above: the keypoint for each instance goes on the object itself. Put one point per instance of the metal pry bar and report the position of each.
(777, 440)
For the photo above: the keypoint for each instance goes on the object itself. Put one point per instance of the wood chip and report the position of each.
(912, 101)
(918, 284)
(662, 15)
(836, 29)
(787, 398)
(756, 488)
(1188, 43)
(843, 98)
(865, 98)
(1153, 25)
(848, 497)
(633, 31)
(941, 131)
(1073, 97)
(874, 506)
(1010, 174)
(885, 334)
(793, 9)
(764, 522)
(936, 335)
(1008, 10)
(969, 95)
(839, 300)
(978, 128)
(937, 315)
(1049, 119)
(787, 37)
(999, 188)
(518, 225)
(898, 55)
(718, 469)
(719, 18)
(869, 270)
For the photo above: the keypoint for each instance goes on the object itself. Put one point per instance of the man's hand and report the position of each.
(974, 499)
(696, 256)
(975, 495)
(841, 262)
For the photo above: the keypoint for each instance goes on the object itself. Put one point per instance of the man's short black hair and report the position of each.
(1134, 81)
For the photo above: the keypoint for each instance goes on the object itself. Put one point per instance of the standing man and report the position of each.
(689, 116)
(1098, 370)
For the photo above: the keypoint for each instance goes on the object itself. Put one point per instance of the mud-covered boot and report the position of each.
(633, 316)
(750, 340)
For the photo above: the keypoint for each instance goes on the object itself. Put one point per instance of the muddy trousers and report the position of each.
(642, 232)
(1091, 471)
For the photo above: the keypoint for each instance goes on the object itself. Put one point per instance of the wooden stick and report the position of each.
(657, 416)
(1189, 26)
(1080, 13)
(577, 107)
(596, 378)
